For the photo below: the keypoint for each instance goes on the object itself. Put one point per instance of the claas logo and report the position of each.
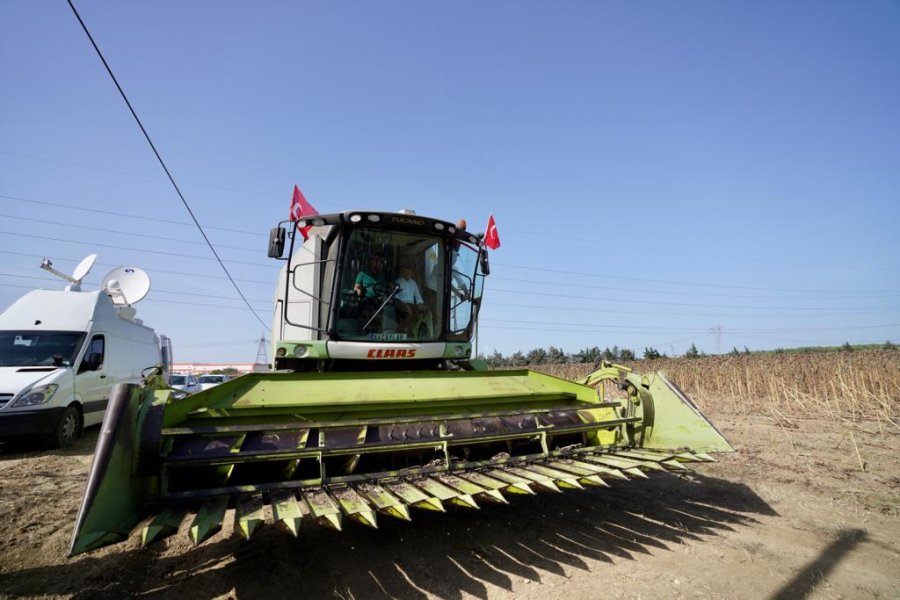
(391, 353)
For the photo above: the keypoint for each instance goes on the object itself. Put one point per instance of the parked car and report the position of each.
(186, 383)
(209, 381)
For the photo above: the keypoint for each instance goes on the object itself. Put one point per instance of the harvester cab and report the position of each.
(376, 405)
(376, 291)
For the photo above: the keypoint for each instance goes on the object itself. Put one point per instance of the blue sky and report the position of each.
(718, 173)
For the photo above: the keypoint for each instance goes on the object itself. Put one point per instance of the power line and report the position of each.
(691, 330)
(132, 174)
(205, 304)
(635, 329)
(836, 311)
(545, 283)
(106, 231)
(845, 294)
(668, 282)
(645, 329)
(849, 294)
(578, 327)
(547, 307)
(823, 310)
(629, 328)
(51, 280)
(656, 302)
(217, 344)
(163, 164)
(76, 260)
(157, 300)
(501, 290)
(820, 311)
(177, 254)
(119, 214)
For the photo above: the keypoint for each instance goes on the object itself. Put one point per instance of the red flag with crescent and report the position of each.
(301, 208)
(491, 237)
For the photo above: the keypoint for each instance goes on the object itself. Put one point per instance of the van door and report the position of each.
(92, 382)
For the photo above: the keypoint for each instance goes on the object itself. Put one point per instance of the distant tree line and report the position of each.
(225, 371)
(556, 356)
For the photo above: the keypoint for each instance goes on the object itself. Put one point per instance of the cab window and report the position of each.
(465, 288)
(391, 287)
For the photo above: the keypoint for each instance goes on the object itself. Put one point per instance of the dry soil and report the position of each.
(802, 509)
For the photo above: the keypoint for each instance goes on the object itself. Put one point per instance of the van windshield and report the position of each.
(39, 348)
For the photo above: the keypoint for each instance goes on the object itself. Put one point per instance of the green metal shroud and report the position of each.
(325, 445)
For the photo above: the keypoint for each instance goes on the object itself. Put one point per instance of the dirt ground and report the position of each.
(792, 514)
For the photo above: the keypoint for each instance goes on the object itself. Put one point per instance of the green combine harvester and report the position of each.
(376, 405)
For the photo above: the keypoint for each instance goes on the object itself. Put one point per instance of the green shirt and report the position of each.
(368, 282)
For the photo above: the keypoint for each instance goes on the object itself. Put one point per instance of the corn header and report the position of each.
(376, 405)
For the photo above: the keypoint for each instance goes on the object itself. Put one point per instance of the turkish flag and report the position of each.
(301, 208)
(491, 238)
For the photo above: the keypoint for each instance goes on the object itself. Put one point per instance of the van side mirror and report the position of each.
(91, 362)
(276, 242)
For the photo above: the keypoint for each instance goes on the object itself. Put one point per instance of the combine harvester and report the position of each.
(376, 404)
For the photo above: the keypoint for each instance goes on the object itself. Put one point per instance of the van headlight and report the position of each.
(38, 395)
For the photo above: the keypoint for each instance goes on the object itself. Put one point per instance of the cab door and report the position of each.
(464, 293)
(92, 381)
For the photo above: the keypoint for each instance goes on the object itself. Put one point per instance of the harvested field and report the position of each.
(809, 506)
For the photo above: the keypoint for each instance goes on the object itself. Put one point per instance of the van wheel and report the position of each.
(67, 430)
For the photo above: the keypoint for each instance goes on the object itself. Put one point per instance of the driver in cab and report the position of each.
(367, 279)
(366, 284)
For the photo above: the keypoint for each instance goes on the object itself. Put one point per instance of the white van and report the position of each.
(61, 352)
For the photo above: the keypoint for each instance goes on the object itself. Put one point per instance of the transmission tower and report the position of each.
(716, 332)
(262, 356)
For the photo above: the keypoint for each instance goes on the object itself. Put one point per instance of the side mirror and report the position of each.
(276, 242)
(485, 266)
(91, 362)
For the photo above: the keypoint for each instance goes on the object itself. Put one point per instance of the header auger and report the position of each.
(376, 406)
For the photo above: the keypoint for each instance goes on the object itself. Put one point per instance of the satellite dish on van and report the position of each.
(83, 268)
(126, 285)
(80, 272)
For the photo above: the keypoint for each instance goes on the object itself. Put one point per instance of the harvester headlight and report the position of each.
(300, 351)
(318, 222)
(374, 218)
(459, 351)
(451, 229)
(355, 218)
(38, 395)
(439, 226)
(281, 352)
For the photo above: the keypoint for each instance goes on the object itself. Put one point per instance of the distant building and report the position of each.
(201, 368)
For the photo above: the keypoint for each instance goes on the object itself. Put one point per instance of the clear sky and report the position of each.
(661, 173)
